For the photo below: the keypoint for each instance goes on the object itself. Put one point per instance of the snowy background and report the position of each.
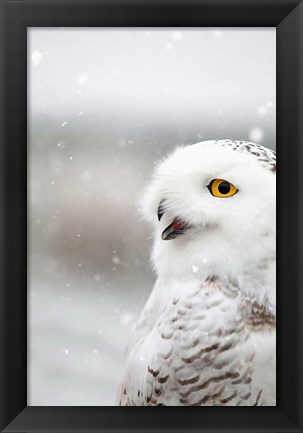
(104, 105)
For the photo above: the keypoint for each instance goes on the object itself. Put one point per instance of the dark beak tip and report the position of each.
(172, 233)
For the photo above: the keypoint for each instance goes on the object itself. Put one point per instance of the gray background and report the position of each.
(104, 106)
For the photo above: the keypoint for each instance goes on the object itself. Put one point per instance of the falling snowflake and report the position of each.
(217, 34)
(82, 80)
(256, 134)
(37, 57)
(177, 36)
(126, 319)
(116, 260)
(262, 110)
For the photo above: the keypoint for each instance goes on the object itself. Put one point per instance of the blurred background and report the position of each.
(104, 106)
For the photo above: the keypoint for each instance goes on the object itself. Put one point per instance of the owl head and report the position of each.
(212, 207)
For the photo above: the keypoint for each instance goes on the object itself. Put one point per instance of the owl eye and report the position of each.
(222, 188)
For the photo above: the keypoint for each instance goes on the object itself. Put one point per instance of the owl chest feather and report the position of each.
(207, 347)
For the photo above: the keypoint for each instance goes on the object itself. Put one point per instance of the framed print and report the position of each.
(99, 117)
(94, 96)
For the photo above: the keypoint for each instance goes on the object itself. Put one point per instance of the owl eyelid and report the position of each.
(219, 178)
(209, 185)
(223, 180)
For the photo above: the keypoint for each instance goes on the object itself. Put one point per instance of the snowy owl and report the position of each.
(207, 334)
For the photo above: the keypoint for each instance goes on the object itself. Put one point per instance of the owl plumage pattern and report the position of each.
(207, 334)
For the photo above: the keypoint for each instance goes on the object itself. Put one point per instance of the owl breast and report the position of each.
(209, 347)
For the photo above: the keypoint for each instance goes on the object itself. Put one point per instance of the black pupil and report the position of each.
(224, 188)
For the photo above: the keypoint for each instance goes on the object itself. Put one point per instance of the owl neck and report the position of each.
(257, 283)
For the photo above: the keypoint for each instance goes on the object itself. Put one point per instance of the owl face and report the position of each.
(213, 210)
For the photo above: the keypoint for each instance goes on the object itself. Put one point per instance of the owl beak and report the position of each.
(174, 230)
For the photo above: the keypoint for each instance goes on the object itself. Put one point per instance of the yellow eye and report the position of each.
(222, 188)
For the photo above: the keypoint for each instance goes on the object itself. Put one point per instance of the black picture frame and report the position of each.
(16, 17)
